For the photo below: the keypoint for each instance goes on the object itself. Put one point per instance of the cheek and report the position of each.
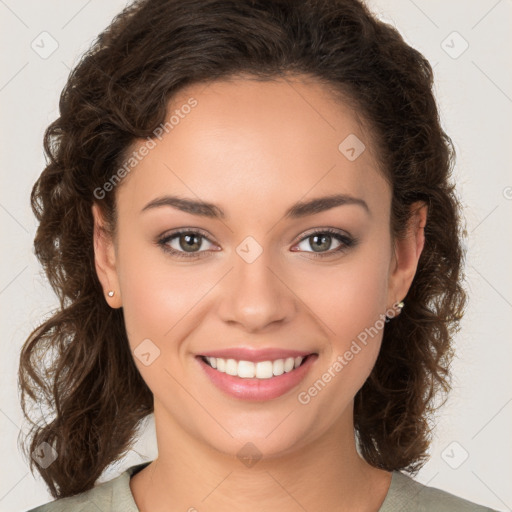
(157, 304)
(156, 297)
(350, 303)
(350, 297)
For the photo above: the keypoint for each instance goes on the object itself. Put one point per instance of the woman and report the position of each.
(249, 221)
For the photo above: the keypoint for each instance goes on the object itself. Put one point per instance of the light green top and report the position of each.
(404, 494)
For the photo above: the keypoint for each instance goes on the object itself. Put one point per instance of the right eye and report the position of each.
(183, 243)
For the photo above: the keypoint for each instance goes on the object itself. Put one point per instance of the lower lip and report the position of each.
(258, 389)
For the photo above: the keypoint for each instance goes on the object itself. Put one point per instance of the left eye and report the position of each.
(321, 241)
(185, 243)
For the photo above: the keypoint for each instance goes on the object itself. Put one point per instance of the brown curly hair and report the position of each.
(120, 92)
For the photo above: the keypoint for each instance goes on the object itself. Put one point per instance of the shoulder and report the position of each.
(407, 494)
(110, 496)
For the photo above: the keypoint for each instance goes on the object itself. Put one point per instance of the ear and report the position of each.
(407, 253)
(105, 259)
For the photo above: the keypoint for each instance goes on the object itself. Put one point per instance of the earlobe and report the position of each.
(105, 260)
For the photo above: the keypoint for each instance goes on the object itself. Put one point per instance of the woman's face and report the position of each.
(251, 276)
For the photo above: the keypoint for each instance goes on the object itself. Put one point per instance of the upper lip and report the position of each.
(255, 355)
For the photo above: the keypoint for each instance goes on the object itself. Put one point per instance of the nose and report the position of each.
(255, 295)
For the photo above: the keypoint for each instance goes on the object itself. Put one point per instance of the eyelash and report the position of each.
(346, 242)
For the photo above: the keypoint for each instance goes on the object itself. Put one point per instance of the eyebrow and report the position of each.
(299, 209)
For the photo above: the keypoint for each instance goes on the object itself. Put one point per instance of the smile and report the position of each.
(261, 380)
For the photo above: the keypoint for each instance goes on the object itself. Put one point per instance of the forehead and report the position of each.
(266, 142)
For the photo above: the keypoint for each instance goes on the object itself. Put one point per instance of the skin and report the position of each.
(254, 149)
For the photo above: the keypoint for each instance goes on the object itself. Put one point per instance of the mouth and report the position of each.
(261, 380)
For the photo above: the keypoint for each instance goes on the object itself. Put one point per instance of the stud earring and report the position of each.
(400, 306)
(111, 293)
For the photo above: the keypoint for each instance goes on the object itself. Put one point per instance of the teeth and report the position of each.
(231, 367)
(245, 369)
(259, 370)
(264, 369)
(221, 364)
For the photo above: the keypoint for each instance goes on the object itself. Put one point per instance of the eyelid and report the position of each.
(179, 231)
(329, 230)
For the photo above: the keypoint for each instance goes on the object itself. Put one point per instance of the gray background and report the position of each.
(474, 91)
